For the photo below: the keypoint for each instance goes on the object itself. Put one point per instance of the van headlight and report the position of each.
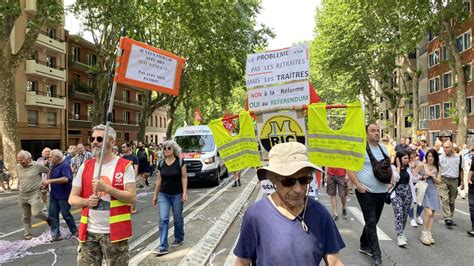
(209, 160)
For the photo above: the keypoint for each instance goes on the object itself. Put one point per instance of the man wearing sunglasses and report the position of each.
(105, 223)
(273, 227)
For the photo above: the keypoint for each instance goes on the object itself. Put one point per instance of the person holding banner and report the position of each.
(105, 223)
(288, 218)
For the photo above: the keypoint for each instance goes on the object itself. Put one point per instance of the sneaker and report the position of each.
(160, 252)
(176, 243)
(430, 236)
(419, 220)
(377, 261)
(335, 217)
(401, 242)
(405, 238)
(45, 208)
(28, 237)
(235, 184)
(413, 223)
(344, 213)
(448, 222)
(424, 238)
(56, 238)
(366, 251)
(471, 233)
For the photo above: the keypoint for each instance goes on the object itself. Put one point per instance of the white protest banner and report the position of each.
(277, 66)
(287, 95)
(150, 68)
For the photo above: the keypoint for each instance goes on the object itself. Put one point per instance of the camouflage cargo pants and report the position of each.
(98, 246)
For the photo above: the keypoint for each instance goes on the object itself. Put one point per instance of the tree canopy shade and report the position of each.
(214, 36)
(11, 57)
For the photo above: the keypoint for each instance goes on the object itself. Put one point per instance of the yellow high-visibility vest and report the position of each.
(342, 148)
(240, 151)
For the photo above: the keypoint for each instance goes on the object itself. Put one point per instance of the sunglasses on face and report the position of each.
(167, 148)
(99, 139)
(289, 182)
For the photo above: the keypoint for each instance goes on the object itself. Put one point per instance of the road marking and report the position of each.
(465, 213)
(202, 251)
(154, 230)
(35, 225)
(231, 258)
(148, 249)
(359, 216)
(10, 197)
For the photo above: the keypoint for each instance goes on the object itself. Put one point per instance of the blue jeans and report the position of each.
(165, 202)
(419, 210)
(56, 206)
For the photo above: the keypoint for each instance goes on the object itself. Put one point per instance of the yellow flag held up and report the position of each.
(239, 151)
(342, 148)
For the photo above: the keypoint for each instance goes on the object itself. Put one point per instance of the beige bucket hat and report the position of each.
(286, 159)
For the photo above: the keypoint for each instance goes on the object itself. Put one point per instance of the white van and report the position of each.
(199, 151)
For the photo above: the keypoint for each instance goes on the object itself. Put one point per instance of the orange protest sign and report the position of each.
(149, 68)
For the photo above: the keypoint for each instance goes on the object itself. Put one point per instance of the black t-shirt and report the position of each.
(171, 183)
(132, 158)
(404, 177)
(141, 154)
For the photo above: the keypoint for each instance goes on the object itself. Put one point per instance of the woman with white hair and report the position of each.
(170, 193)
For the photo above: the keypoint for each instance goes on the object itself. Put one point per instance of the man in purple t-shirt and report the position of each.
(288, 227)
(60, 180)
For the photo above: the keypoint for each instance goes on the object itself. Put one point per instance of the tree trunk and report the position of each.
(100, 103)
(449, 38)
(8, 117)
(146, 114)
(172, 111)
(416, 106)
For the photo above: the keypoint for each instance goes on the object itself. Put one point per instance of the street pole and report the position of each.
(111, 102)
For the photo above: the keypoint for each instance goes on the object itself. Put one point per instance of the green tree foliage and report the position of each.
(448, 17)
(214, 36)
(11, 58)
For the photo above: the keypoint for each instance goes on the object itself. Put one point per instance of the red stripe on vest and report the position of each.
(118, 231)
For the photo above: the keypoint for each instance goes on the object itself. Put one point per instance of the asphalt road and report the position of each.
(204, 209)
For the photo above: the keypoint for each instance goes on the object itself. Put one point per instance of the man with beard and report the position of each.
(144, 163)
(288, 218)
(105, 220)
(44, 160)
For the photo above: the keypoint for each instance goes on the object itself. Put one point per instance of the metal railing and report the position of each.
(48, 94)
(47, 64)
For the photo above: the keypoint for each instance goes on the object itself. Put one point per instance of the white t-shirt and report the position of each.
(99, 218)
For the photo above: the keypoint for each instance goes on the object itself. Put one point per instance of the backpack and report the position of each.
(180, 160)
(382, 169)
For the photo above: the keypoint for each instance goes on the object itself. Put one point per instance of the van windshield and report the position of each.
(195, 143)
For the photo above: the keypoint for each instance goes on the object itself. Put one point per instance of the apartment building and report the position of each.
(441, 94)
(157, 126)
(41, 85)
(127, 105)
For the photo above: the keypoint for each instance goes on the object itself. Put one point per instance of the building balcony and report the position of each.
(43, 69)
(423, 99)
(43, 99)
(49, 42)
(30, 7)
